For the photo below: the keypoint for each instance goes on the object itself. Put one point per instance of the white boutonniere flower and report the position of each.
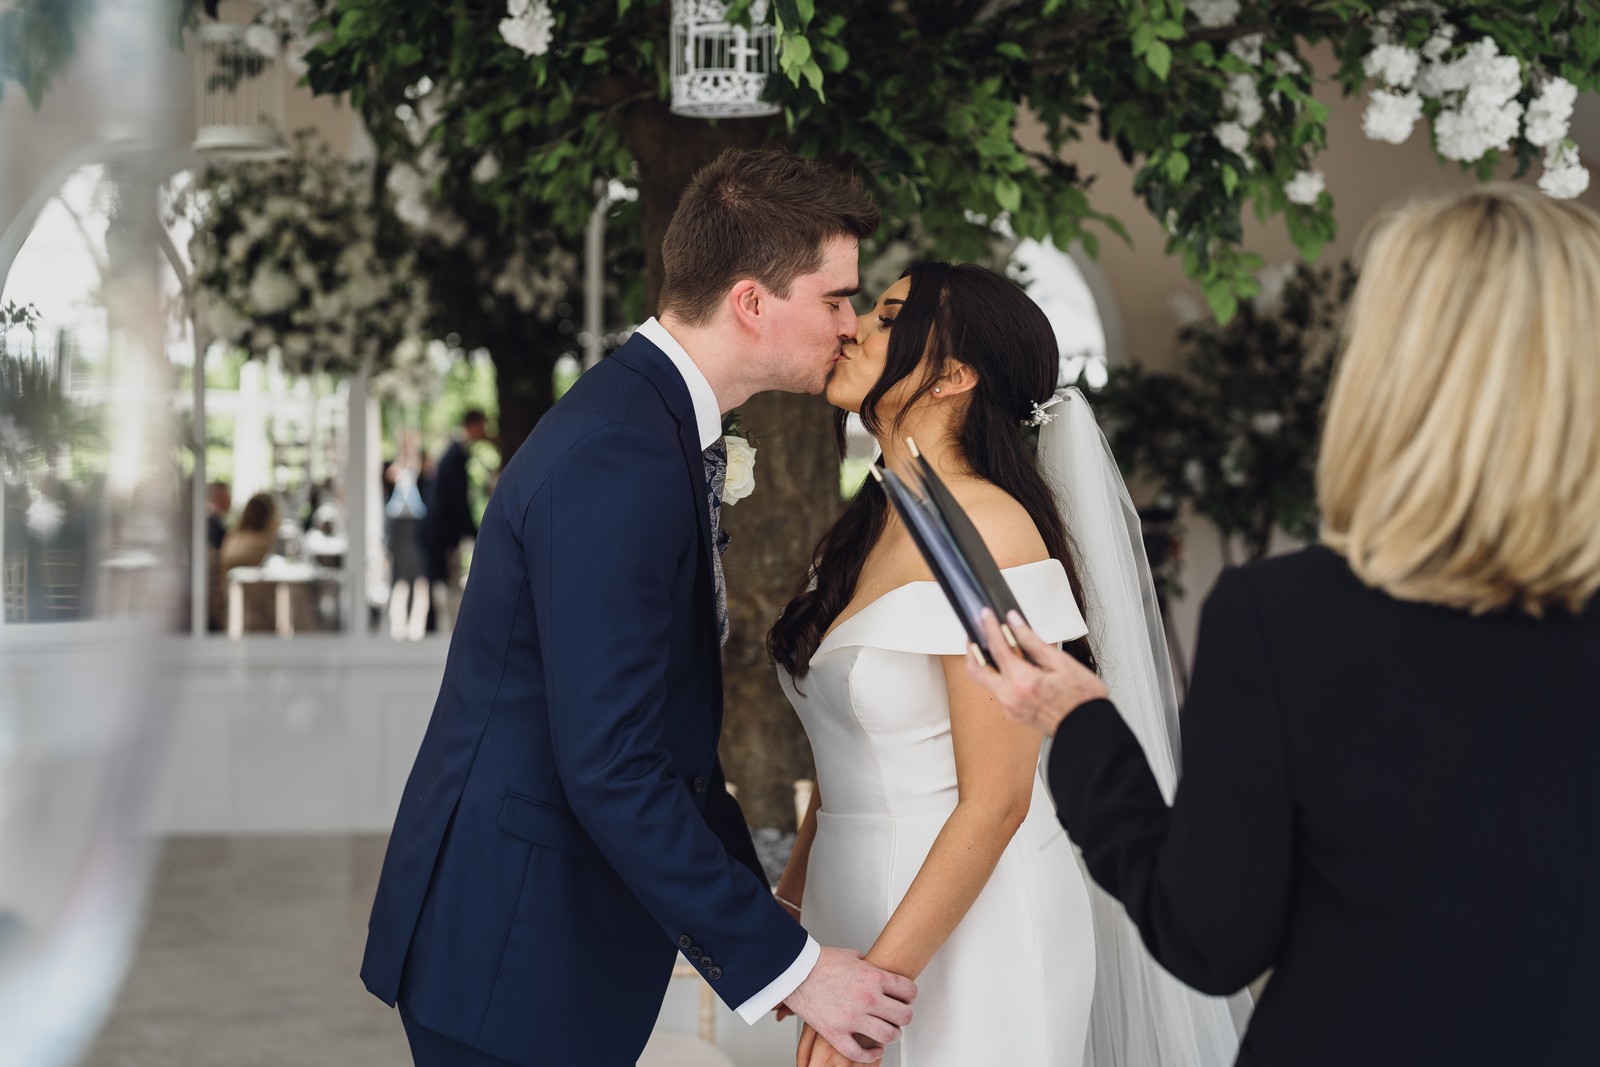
(741, 469)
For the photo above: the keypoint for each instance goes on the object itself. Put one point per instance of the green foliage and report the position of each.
(924, 99)
(1235, 435)
(37, 419)
(37, 39)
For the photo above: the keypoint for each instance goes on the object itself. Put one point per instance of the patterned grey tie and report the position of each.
(716, 459)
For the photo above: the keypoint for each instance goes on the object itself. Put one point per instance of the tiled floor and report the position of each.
(249, 959)
(250, 956)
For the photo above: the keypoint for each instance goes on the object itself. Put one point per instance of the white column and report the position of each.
(358, 493)
(250, 452)
(199, 556)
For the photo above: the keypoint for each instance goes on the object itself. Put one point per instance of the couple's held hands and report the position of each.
(845, 999)
(1040, 685)
(815, 1052)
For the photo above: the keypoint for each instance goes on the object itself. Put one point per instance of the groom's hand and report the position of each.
(844, 995)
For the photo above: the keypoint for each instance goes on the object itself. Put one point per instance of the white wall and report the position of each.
(308, 735)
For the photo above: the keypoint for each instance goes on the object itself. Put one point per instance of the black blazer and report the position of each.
(1395, 805)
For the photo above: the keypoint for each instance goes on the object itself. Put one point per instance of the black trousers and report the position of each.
(432, 1049)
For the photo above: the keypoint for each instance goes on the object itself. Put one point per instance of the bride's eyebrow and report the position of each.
(892, 300)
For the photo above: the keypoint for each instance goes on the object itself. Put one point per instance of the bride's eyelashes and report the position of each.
(886, 321)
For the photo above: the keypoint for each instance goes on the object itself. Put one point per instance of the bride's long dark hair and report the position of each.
(953, 312)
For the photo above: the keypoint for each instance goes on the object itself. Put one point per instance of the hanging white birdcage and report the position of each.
(719, 70)
(238, 93)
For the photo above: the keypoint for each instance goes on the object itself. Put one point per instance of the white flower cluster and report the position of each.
(1213, 13)
(285, 22)
(1478, 89)
(1305, 187)
(289, 258)
(529, 26)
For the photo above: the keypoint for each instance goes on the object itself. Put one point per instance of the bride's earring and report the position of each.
(938, 388)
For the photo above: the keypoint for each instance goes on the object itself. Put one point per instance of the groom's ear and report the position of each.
(748, 301)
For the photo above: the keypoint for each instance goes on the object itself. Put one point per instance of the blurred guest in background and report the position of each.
(403, 515)
(219, 503)
(248, 544)
(449, 518)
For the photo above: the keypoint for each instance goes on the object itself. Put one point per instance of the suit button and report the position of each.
(693, 952)
(699, 786)
(685, 941)
(714, 973)
(705, 961)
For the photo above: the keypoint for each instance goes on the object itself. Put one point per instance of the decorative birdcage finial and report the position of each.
(238, 93)
(719, 70)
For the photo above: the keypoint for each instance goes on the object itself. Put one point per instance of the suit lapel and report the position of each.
(640, 355)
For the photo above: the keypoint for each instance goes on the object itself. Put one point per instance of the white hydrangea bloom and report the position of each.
(487, 169)
(1266, 423)
(1305, 187)
(1273, 280)
(1465, 134)
(1440, 43)
(1287, 64)
(262, 40)
(1564, 177)
(1234, 137)
(1243, 99)
(1391, 116)
(272, 291)
(1214, 13)
(529, 27)
(1248, 48)
(1392, 64)
(1550, 115)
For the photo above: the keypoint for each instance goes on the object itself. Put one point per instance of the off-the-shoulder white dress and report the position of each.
(1013, 983)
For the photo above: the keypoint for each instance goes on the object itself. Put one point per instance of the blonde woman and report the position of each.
(1391, 781)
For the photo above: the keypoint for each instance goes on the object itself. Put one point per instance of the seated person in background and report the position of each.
(247, 545)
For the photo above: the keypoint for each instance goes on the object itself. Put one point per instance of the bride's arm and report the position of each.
(996, 761)
(792, 884)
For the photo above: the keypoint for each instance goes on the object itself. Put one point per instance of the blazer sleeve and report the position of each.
(1208, 881)
(603, 554)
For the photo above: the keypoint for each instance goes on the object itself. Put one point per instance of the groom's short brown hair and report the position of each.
(756, 213)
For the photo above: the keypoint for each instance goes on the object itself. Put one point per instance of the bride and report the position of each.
(931, 843)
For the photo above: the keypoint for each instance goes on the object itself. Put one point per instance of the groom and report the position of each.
(566, 831)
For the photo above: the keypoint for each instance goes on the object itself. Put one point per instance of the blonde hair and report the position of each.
(1460, 461)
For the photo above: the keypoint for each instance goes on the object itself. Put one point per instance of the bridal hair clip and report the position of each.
(1042, 415)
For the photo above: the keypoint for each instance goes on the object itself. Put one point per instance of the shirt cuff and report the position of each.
(778, 990)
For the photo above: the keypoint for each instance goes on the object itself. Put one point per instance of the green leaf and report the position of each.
(1159, 59)
(807, 10)
(1007, 193)
(795, 50)
(593, 54)
(1230, 179)
(1177, 167)
(1224, 303)
(1012, 49)
(622, 8)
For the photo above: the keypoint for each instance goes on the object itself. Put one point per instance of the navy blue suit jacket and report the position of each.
(566, 829)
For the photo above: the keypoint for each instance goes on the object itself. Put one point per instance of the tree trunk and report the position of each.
(524, 369)
(797, 492)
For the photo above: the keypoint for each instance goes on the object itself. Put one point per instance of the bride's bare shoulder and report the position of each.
(1005, 524)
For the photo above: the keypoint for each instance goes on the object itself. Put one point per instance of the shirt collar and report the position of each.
(707, 413)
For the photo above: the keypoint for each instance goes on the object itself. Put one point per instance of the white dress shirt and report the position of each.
(708, 420)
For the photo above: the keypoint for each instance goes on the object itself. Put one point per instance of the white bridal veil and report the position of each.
(1142, 1016)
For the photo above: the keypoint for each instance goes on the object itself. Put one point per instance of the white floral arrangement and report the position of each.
(741, 478)
(295, 257)
(1477, 99)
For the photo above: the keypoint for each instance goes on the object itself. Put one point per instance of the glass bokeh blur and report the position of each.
(91, 502)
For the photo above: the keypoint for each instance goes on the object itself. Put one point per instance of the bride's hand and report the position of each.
(814, 1051)
(1040, 693)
